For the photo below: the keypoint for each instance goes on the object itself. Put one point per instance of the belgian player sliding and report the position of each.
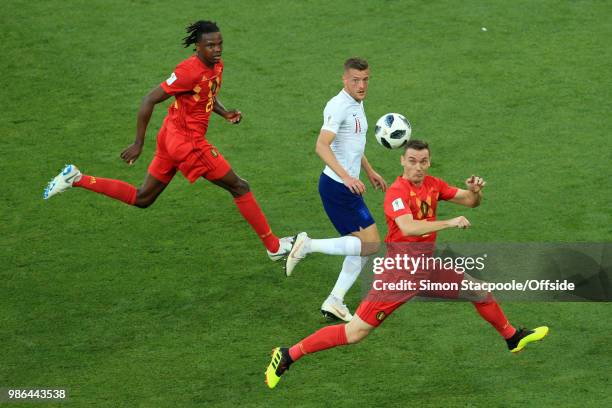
(181, 141)
(410, 210)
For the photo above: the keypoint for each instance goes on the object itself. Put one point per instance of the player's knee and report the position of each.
(483, 296)
(143, 200)
(477, 296)
(370, 246)
(356, 334)
(240, 188)
(143, 203)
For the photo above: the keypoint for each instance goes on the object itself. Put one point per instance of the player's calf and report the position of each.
(250, 210)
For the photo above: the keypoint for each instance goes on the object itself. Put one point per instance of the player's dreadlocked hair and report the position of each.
(198, 28)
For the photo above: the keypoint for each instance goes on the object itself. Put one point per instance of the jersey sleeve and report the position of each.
(333, 116)
(395, 204)
(181, 80)
(446, 192)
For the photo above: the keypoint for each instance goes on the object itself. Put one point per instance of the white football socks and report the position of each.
(351, 268)
(347, 245)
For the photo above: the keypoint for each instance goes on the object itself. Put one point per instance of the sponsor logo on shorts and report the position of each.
(380, 316)
(214, 153)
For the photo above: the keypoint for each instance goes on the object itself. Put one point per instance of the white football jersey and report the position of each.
(345, 117)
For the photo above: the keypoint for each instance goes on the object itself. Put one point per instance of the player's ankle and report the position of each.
(308, 245)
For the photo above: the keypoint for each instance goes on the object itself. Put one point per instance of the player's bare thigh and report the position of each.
(370, 240)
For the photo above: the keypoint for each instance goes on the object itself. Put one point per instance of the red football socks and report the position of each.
(117, 189)
(323, 339)
(492, 313)
(248, 207)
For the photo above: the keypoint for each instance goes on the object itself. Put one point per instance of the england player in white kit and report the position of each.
(341, 145)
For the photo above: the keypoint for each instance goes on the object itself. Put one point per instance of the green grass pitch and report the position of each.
(178, 305)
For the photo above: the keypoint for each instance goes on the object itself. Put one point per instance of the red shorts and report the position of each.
(193, 157)
(385, 297)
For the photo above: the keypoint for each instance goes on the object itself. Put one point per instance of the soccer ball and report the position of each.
(393, 130)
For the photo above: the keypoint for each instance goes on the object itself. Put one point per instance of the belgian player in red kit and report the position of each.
(181, 141)
(410, 209)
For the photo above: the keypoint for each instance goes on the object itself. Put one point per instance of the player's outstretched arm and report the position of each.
(376, 179)
(234, 116)
(323, 149)
(411, 227)
(473, 195)
(132, 152)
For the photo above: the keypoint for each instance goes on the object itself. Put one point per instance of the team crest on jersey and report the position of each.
(214, 153)
(171, 80)
(425, 208)
(357, 126)
(380, 316)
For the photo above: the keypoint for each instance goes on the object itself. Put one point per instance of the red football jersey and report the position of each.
(194, 87)
(403, 197)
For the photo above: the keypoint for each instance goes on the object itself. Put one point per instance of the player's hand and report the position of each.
(354, 184)
(475, 183)
(377, 181)
(131, 154)
(459, 222)
(234, 116)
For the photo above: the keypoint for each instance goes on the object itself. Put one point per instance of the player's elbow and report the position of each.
(319, 147)
(146, 107)
(147, 102)
(409, 230)
(474, 204)
(409, 233)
